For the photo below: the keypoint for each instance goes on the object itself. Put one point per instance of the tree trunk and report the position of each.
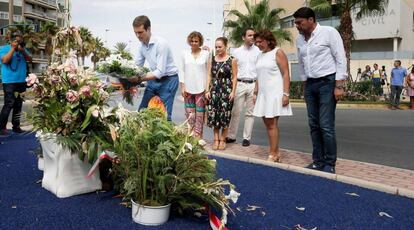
(345, 29)
(11, 12)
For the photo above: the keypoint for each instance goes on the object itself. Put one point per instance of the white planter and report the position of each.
(40, 163)
(64, 174)
(150, 215)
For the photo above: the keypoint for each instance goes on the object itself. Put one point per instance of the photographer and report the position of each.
(14, 58)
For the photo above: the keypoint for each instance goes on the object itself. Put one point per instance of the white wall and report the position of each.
(385, 26)
(407, 30)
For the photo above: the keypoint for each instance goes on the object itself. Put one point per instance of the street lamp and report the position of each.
(106, 35)
(211, 35)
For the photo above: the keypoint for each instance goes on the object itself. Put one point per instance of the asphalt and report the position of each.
(373, 176)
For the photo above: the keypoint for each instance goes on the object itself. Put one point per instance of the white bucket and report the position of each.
(150, 215)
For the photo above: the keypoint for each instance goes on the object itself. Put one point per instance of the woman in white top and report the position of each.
(193, 79)
(271, 93)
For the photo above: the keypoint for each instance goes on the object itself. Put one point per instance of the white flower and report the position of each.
(233, 196)
(189, 146)
(202, 142)
(224, 217)
(31, 79)
(95, 112)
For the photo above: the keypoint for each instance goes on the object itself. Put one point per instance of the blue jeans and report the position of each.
(12, 102)
(321, 106)
(165, 88)
(396, 94)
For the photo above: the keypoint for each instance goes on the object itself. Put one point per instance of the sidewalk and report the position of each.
(372, 176)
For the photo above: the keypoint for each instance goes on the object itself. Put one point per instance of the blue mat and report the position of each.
(24, 204)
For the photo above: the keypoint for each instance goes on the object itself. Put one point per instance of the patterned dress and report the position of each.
(219, 106)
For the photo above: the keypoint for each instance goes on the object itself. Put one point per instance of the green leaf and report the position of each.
(86, 121)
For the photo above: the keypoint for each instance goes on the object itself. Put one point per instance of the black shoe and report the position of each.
(246, 142)
(229, 140)
(19, 130)
(315, 167)
(329, 169)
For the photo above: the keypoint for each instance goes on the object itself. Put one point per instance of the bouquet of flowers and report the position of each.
(120, 69)
(72, 104)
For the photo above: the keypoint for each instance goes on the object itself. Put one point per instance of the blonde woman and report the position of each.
(193, 78)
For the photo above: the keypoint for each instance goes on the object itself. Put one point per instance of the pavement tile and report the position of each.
(373, 176)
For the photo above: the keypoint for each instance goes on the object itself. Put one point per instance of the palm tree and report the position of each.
(121, 48)
(30, 37)
(48, 30)
(99, 52)
(361, 7)
(87, 44)
(258, 17)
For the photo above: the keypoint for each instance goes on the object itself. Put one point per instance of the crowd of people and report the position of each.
(390, 89)
(254, 78)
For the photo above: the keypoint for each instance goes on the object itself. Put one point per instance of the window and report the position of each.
(4, 15)
(287, 22)
(17, 18)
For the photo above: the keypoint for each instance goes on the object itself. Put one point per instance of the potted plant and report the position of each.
(70, 115)
(161, 166)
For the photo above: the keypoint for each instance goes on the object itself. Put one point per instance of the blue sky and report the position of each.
(171, 19)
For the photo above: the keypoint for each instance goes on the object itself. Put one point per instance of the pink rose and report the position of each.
(85, 91)
(72, 96)
(54, 79)
(73, 79)
(31, 79)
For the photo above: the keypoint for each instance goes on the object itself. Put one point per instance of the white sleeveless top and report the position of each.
(270, 90)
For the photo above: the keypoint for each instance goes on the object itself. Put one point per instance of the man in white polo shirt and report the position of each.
(322, 66)
(246, 56)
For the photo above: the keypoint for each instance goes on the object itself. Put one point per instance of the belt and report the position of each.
(163, 78)
(320, 78)
(246, 81)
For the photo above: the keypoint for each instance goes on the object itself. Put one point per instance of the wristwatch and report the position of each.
(286, 94)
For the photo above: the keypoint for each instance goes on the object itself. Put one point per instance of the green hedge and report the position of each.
(355, 91)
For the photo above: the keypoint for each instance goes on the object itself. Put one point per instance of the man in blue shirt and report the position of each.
(14, 70)
(398, 74)
(163, 78)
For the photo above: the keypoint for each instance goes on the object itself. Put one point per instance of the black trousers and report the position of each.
(12, 101)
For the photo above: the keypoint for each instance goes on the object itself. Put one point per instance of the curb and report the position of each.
(343, 179)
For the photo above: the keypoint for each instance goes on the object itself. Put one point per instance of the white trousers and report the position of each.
(243, 99)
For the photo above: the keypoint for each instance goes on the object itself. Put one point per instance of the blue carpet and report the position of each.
(25, 205)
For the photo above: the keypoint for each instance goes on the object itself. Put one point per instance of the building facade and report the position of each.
(379, 39)
(34, 13)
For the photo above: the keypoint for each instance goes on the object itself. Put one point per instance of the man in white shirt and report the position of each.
(246, 56)
(163, 78)
(322, 66)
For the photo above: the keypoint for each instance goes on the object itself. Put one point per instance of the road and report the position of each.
(376, 136)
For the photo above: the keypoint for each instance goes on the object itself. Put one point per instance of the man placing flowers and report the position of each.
(163, 77)
(14, 69)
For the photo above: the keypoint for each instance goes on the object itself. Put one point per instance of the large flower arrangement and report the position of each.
(120, 69)
(71, 103)
(160, 163)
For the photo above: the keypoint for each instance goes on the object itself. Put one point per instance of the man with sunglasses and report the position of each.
(14, 58)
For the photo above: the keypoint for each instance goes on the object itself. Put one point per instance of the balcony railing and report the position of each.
(46, 3)
(41, 14)
(40, 58)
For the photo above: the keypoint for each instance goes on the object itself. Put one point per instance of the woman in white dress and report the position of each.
(271, 93)
(193, 78)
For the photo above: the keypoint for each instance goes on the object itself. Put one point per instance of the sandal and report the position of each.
(216, 144)
(274, 158)
(222, 145)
